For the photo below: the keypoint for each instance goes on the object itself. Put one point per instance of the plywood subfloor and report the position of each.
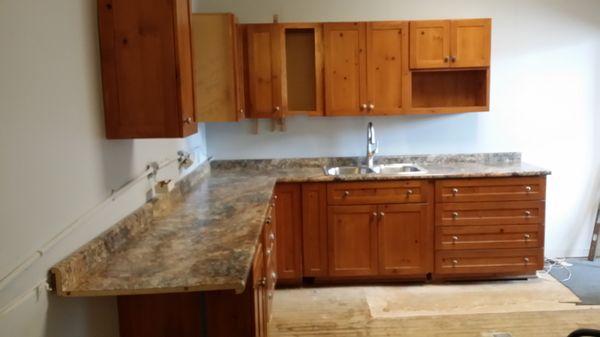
(537, 307)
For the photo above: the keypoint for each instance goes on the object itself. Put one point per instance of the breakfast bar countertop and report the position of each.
(204, 234)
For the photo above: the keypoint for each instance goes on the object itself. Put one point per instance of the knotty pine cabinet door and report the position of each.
(470, 43)
(450, 43)
(146, 60)
(387, 67)
(352, 240)
(265, 70)
(345, 68)
(288, 213)
(430, 44)
(405, 239)
(314, 229)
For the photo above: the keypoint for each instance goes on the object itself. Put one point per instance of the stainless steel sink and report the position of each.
(390, 169)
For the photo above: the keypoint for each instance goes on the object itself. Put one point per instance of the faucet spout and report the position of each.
(372, 145)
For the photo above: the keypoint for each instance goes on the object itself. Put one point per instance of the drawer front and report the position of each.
(489, 237)
(490, 213)
(489, 262)
(388, 192)
(491, 189)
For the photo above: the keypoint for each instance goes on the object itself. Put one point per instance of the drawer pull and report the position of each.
(269, 252)
(454, 191)
(454, 262)
(527, 236)
(526, 259)
(527, 213)
(409, 192)
(268, 220)
(275, 197)
(454, 238)
(272, 237)
(346, 193)
(454, 215)
(528, 188)
(273, 204)
(381, 214)
(263, 282)
(274, 276)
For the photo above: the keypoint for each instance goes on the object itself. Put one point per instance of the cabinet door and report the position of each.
(405, 239)
(387, 67)
(264, 70)
(345, 69)
(470, 43)
(352, 236)
(289, 232)
(146, 61)
(259, 296)
(430, 44)
(216, 69)
(314, 229)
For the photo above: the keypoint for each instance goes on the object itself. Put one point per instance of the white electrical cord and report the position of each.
(150, 172)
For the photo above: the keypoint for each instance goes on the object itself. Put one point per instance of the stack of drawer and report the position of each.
(489, 227)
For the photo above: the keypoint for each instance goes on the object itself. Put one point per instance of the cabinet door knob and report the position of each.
(188, 120)
(527, 236)
(375, 214)
(381, 214)
(410, 192)
(263, 282)
(269, 220)
(528, 188)
(526, 259)
(272, 237)
(371, 107)
(363, 107)
(275, 197)
(346, 193)
(269, 252)
(527, 213)
(454, 215)
(454, 262)
(270, 295)
(274, 276)
(455, 191)
(455, 238)
(446, 59)
(277, 108)
(242, 111)
(453, 59)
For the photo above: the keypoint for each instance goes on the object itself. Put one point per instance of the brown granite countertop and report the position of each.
(203, 236)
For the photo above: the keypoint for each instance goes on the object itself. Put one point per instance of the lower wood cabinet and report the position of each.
(289, 232)
(352, 232)
(405, 239)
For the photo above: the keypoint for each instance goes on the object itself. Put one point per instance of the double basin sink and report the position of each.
(385, 169)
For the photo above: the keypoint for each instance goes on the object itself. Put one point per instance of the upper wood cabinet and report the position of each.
(146, 60)
(450, 43)
(387, 67)
(345, 68)
(366, 67)
(265, 70)
(218, 68)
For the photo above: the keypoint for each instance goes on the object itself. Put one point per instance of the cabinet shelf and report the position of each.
(450, 91)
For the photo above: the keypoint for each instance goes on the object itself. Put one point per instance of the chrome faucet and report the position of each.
(372, 145)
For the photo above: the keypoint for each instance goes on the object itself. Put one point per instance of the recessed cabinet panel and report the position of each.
(352, 240)
(387, 55)
(470, 43)
(345, 68)
(264, 71)
(304, 69)
(405, 239)
(289, 232)
(429, 44)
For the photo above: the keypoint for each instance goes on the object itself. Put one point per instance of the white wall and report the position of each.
(545, 100)
(54, 161)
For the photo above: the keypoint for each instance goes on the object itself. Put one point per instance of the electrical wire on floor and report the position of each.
(558, 263)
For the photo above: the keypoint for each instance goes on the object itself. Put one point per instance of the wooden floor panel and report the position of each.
(345, 311)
